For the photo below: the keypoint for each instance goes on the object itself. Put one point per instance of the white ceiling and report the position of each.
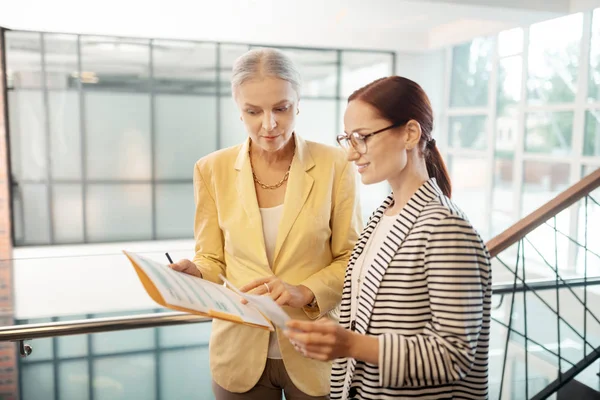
(398, 25)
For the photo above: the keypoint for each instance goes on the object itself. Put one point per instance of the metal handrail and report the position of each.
(521, 228)
(96, 325)
(540, 285)
(110, 324)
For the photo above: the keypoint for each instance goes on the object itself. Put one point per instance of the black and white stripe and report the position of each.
(427, 296)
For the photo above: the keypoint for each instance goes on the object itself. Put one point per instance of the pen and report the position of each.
(169, 258)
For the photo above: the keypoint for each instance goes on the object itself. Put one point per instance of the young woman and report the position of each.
(415, 311)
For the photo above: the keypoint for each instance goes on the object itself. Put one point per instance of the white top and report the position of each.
(270, 224)
(364, 262)
(367, 257)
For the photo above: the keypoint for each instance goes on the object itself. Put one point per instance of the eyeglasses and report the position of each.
(358, 141)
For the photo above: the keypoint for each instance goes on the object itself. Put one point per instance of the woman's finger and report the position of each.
(267, 288)
(309, 338)
(325, 350)
(276, 292)
(258, 291)
(284, 298)
(315, 355)
(256, 283)
(298, 326)
(298, 337)
(319, 353)
(310, 326)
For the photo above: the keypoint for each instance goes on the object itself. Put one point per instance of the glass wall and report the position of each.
(522, 121)
(105, 131)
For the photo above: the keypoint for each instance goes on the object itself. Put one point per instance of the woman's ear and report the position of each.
(413, 134)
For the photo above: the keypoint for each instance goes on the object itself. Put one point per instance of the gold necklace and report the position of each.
(263, 185)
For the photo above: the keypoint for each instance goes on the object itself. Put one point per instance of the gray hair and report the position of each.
(264, 62)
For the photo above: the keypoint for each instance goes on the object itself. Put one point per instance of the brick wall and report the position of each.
(9, 387)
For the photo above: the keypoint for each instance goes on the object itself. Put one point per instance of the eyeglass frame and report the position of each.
(364, 138)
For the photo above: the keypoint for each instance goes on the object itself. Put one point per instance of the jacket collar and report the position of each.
(299, 186)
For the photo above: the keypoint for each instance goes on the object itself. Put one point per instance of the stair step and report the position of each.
(577, 390)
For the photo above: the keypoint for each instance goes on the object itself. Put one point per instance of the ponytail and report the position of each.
(436, 167)
(400, 100)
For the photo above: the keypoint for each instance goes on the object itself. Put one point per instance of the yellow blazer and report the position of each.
(320, 224)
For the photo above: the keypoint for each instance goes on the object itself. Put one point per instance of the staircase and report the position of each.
(546, 306)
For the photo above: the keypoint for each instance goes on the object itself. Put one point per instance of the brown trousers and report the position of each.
(273, 381)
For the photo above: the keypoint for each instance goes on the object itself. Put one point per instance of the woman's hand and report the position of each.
(283, 293)
(187, 267)
(322, 340)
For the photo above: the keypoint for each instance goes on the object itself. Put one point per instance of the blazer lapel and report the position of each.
(400, 230)
(247, 196)
(299, 186)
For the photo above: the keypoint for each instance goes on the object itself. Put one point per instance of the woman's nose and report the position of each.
(352, 154)
(269, 122)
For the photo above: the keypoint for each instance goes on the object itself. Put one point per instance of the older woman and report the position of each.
(415, 313)
(278, 214)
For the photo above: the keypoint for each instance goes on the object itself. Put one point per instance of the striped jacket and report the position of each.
(427, 297)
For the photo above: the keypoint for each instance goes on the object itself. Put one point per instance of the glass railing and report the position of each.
(529, 345)
(532, 343)
(151, 354)
(546, 317)
(169, 362)
(545, 328)
(85, 279)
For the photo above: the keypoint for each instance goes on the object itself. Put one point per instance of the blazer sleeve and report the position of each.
(457, 268)
(346, 225)
(209, 257)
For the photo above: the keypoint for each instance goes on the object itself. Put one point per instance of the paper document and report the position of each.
(264, 304)
(181, 291)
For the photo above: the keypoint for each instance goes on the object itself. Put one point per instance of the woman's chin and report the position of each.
(271, 143)
(367, 179)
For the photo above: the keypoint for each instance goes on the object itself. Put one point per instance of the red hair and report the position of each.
(400, 100)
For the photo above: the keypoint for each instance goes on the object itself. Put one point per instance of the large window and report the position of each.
(591, 141)
(105, 131)
(468, 125)
(522, 121)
